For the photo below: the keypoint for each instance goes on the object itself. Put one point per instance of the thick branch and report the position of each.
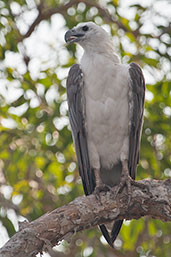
(87, 212)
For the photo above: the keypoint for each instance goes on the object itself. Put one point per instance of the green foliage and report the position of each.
(37, 158)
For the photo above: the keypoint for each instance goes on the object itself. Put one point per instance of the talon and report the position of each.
(125, 180)
(100, 188)
(97, 194)
(140, 185)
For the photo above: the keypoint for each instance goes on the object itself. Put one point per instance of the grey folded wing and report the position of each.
(136, 100)
(75, 84)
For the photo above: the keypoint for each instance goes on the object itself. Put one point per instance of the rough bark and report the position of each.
(87, 212)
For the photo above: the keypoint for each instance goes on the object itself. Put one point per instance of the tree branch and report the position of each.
(87, 212)
(8, 204)
(46, 13)
(105, 14)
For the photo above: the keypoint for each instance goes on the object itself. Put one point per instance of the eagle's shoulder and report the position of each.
(136, 75)
(75, 75)
(74, 82)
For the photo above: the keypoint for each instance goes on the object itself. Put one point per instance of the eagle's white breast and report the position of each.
(106, 85)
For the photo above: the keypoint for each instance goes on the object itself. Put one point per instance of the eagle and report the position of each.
(106, 105)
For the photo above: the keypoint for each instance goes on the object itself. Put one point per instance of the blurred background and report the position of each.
(38, 170)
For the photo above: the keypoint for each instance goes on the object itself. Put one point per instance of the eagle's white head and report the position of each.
(94, 39)
(88, 35)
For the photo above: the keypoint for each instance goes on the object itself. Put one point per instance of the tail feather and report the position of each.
(106, 235)
(115, 230)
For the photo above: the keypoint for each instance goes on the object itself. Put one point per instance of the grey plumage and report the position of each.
(136, 99)
(105, 112)
(75, 85)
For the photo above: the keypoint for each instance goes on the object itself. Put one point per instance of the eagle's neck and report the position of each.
(104, 49)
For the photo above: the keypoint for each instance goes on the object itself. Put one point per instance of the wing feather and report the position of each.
(75, 85)
(136, 108)
(136, 100)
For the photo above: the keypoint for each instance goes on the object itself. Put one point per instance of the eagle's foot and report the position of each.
(125, 180)
(100, 188)
(144, 187)
(128, 181)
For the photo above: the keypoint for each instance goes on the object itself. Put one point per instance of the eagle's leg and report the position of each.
(100, 186)
(125, 180)
(128, 181)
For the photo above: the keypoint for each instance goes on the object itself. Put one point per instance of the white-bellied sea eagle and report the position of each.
(106, 104)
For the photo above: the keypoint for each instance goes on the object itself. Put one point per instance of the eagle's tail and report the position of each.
(115, 230)
(106, 235)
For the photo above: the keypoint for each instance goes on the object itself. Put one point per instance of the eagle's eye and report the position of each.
(85, 28)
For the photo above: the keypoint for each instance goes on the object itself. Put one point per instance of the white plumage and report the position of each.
(106, 95)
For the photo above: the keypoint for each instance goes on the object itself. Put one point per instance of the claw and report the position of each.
(100, 188)
(142, 186)
(128, 181)
(125, 180)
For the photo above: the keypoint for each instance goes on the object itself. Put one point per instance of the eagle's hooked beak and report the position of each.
(72, 36)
